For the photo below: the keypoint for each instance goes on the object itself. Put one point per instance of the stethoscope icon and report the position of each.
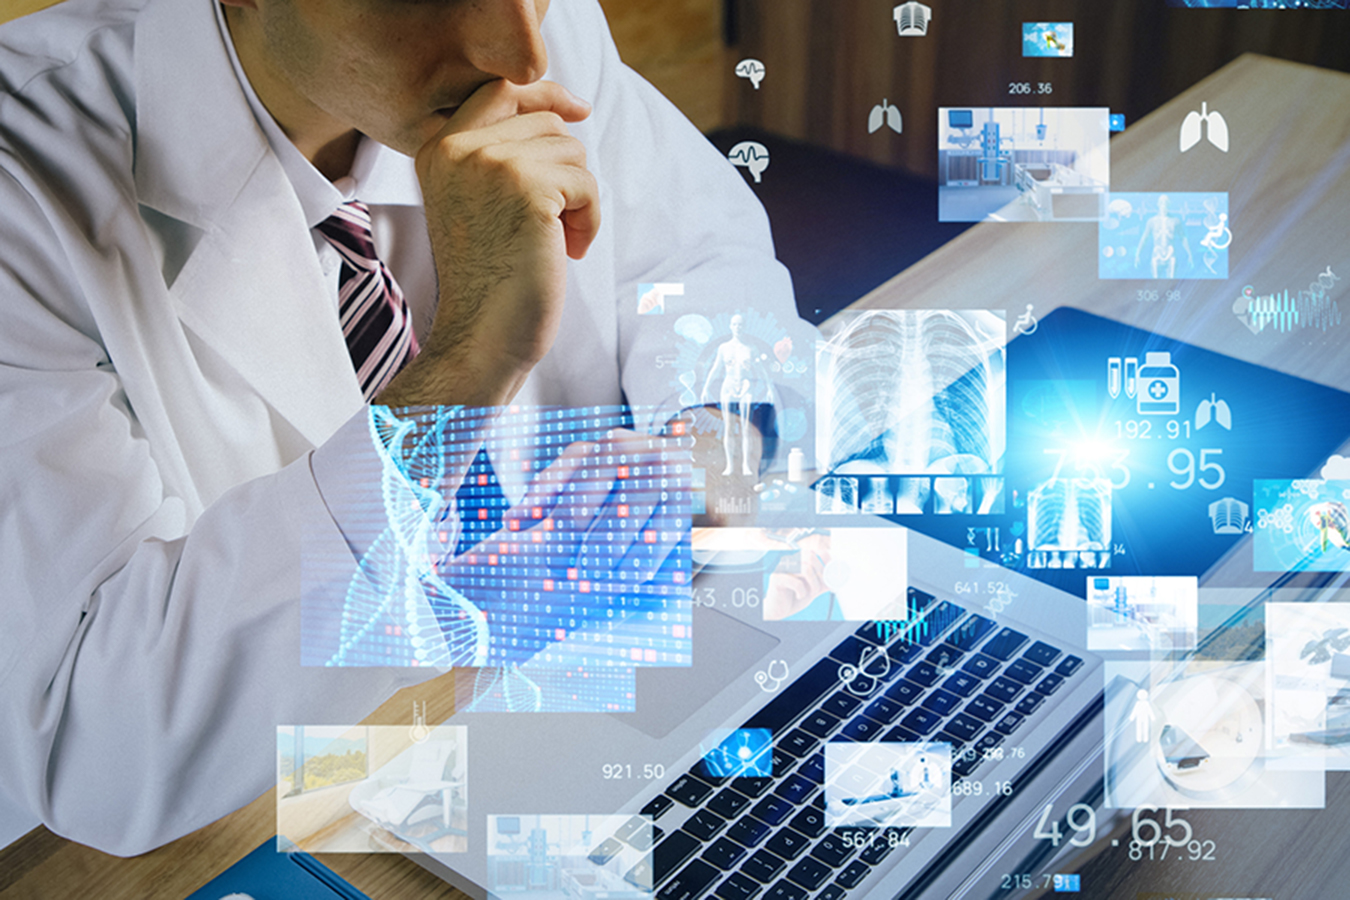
(764, 678)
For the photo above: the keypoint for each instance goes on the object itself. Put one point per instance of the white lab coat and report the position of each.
(170, 356)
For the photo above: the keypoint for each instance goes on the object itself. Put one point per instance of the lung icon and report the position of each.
(1212, 124)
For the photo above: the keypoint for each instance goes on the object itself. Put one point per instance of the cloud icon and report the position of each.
(752, 69)
(752, 155)
(694, 327)
(1336, 469)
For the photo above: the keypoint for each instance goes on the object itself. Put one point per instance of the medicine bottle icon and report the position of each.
(1159, 390)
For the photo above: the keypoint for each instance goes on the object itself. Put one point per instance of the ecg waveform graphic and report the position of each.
(1285, 312)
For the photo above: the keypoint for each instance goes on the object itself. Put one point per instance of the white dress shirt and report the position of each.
(170, 359)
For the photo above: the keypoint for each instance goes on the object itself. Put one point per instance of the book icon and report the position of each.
(1228, 515)
(911, 19)
(1211, 123)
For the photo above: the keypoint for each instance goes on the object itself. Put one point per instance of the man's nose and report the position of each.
(506, 40)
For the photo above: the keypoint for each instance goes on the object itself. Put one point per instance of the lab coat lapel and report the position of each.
(251, 287)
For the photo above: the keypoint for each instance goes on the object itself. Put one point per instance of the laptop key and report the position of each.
(1003, 689)
(990, 740)
(841, 704)
(786, 890)
(608, 849)
(813, 767)
(946, 737)
(795, 788)
(690, 882)
(941, 702)
(884, 710)
(831, 850)
(962, 684)
(903, 652)
(1029, 704)
(967, 764)
(724, 854)
(970, 632)
(945, 656)
(788, 843)
(671, 853)
(879, 849)
(749, 831)
(1022, 671)
(1004, 644)
(704, 824)
(809, 873)
(980, 666)
(861, 728)
(1042, 654)
(922, 721)
(657, 806)
(832, 892)
(810, 822)
(641, 876)
(905, 692)
(984, 708)
(772, 809)
(820, 723)
(689, 790)
(752, 787)
(737, 887)
(1068, 666)
(1009, 723)
(965, 726)
(1049, 684)
(635, 825)
(763, 866)
(853, 873)
(728, 803)
(797, 742)
(924, 673)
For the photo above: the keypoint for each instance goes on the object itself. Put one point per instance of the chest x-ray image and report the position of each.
(912, 392)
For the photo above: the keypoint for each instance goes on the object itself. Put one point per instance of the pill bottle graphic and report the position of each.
(1159, 391)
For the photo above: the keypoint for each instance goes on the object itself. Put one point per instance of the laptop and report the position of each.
(920, 755)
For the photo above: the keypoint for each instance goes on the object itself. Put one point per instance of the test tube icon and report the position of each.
(1131, 375)
(1113, 377)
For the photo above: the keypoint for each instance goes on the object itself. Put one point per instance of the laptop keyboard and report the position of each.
(949, 676)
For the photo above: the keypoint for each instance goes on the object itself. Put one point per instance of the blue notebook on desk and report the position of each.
(266, 874)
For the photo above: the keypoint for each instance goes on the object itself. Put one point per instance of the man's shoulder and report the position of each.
(60, 35)
(67, 104)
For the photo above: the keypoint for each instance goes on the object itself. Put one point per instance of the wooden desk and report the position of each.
(1288, 178)
(42, 866)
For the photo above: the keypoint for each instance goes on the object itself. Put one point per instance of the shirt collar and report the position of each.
(379, 176)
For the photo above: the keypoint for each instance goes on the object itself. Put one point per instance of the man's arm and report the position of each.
(145, 658)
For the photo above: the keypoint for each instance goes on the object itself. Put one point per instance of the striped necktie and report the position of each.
(371, 308)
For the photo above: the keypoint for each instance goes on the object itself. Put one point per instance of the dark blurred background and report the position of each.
(850, 209)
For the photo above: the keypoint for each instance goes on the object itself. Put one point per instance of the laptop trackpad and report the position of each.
(724, 648)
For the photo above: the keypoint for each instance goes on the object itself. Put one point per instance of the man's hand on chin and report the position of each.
(508, 200)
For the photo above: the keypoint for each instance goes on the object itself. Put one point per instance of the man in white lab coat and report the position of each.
(171, 358)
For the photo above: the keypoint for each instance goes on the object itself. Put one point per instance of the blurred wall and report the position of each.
(829, 61)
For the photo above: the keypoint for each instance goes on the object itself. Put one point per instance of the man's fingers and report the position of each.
(500, 100)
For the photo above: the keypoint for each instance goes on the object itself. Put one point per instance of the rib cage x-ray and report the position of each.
(912, 392)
